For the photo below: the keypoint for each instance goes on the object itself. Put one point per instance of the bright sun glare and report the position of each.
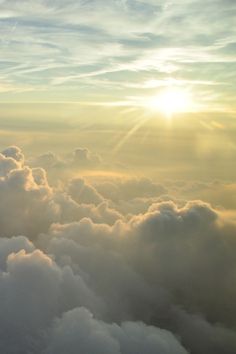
(171, 101)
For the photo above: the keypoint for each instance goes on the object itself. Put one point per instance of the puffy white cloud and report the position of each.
(29, 205)
(26, 202)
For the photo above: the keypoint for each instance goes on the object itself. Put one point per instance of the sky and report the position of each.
(88, 72)
(118, 51)
(117, 177)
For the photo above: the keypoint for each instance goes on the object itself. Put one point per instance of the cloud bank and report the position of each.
(83, 272)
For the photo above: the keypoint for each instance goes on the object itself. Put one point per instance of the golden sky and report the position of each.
(127, 79)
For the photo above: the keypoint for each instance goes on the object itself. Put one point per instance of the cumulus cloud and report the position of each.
(47, 160)
(83, 156)
(131, 195)
(30, 205)
(34, 290)
(130, 188)
(65, 166)
(166, 258)
(89, 335)
(15, 153)
(84, 193)
(76, 274)
(80, 158)
(7, 164)
(26, 199)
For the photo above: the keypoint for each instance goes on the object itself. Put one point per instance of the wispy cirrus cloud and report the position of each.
(65, 43)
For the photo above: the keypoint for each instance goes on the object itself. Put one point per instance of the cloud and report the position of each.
(7, 164)
(46, 161)
(15, 153)
(92, 336)
(33, 290)
(30, 205)
(82, 156)
(130, 188)
(69, 44)
(79, 159)
(77, 274)
(202, 336)
(218, 193)
(148, 285)
(26, 197)
(13, 245)
(83, 193)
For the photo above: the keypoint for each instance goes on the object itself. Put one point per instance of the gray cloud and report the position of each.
(89, 335)
(175, 257)
(85, 277)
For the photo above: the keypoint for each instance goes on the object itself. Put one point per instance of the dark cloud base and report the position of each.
(117, 267)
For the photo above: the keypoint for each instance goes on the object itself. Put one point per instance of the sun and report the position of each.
(170, 102)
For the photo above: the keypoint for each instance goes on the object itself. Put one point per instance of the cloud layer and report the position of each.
(78, 273)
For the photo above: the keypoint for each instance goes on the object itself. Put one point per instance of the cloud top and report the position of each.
(77, 274)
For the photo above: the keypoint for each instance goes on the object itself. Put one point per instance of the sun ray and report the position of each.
(129, 134)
